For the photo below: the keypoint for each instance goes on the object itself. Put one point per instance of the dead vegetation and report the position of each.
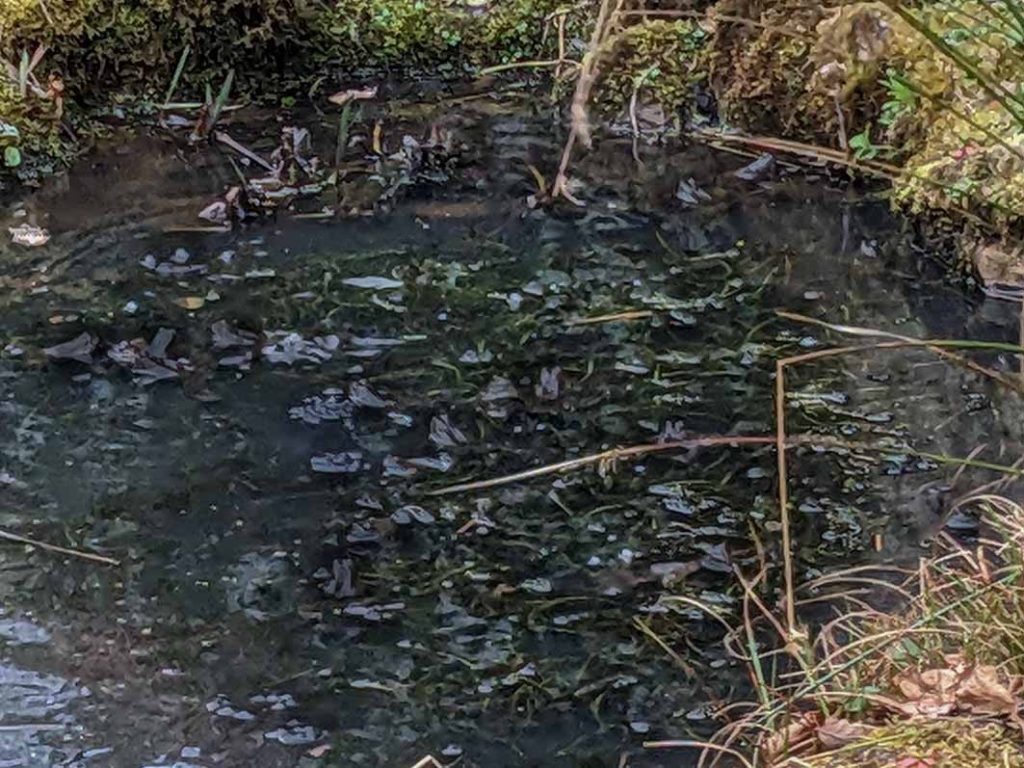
(934, 680)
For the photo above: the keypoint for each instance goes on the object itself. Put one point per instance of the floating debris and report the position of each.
(149, 362)
(29, 235)
(499, 389)
(289, 348)
(344, 462)
(444, 434)
(177, 265)
(374, 282)
(79, 349)
(412, 513)
(332, 405)
(761, 168)
(361, 395)
(293, 734)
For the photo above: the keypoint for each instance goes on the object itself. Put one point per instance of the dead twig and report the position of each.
(579, 129)
(632, 314)
(613, 455)
(19, 539)
(225, 139)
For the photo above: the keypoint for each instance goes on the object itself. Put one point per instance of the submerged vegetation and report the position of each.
(916, 668)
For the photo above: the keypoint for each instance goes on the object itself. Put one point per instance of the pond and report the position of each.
(251, 422)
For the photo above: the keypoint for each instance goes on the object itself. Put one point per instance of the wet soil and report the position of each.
(251, 421)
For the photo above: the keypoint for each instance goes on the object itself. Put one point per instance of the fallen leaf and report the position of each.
(319, 751)
(979, 690)
(932, 692)
(27, 234)
(837, 732)
(983, 693)
(372, 281)
(79, 348)
(791, 739)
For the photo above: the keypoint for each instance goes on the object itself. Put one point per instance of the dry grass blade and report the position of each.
(939, 347)
(645, 628)
(225, 138)
(613, 455)
(633, 314)
(19, 539)
(702, 745)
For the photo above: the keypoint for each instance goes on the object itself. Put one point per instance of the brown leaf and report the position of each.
(837, 732)
(983, 693)
(790, 739)
(979, 690)
(932, 692)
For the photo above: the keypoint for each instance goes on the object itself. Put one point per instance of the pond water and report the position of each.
(253, 420)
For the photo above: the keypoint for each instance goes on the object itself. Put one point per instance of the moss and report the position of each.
(820, 72)
(661, 59)
(138, 41)
(432, 33)
(527, 30)
(275, 46)
(761, 70)
(382, 32)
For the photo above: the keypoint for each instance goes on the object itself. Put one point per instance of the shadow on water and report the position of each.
(253, 419)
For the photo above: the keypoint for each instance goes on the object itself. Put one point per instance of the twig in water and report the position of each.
(605, 457)
(938, 347)
(19, 539)
(579, 129)
(632, 314)
(224, 138)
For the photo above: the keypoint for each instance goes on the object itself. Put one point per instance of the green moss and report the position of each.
(382, 32)
(527, 29)
(660, 59)
(431, 33)
(106, 48)
(122, 42)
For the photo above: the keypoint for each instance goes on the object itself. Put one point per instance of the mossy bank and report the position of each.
(913, 94)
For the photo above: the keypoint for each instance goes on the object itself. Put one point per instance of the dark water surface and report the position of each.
(285, 583)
